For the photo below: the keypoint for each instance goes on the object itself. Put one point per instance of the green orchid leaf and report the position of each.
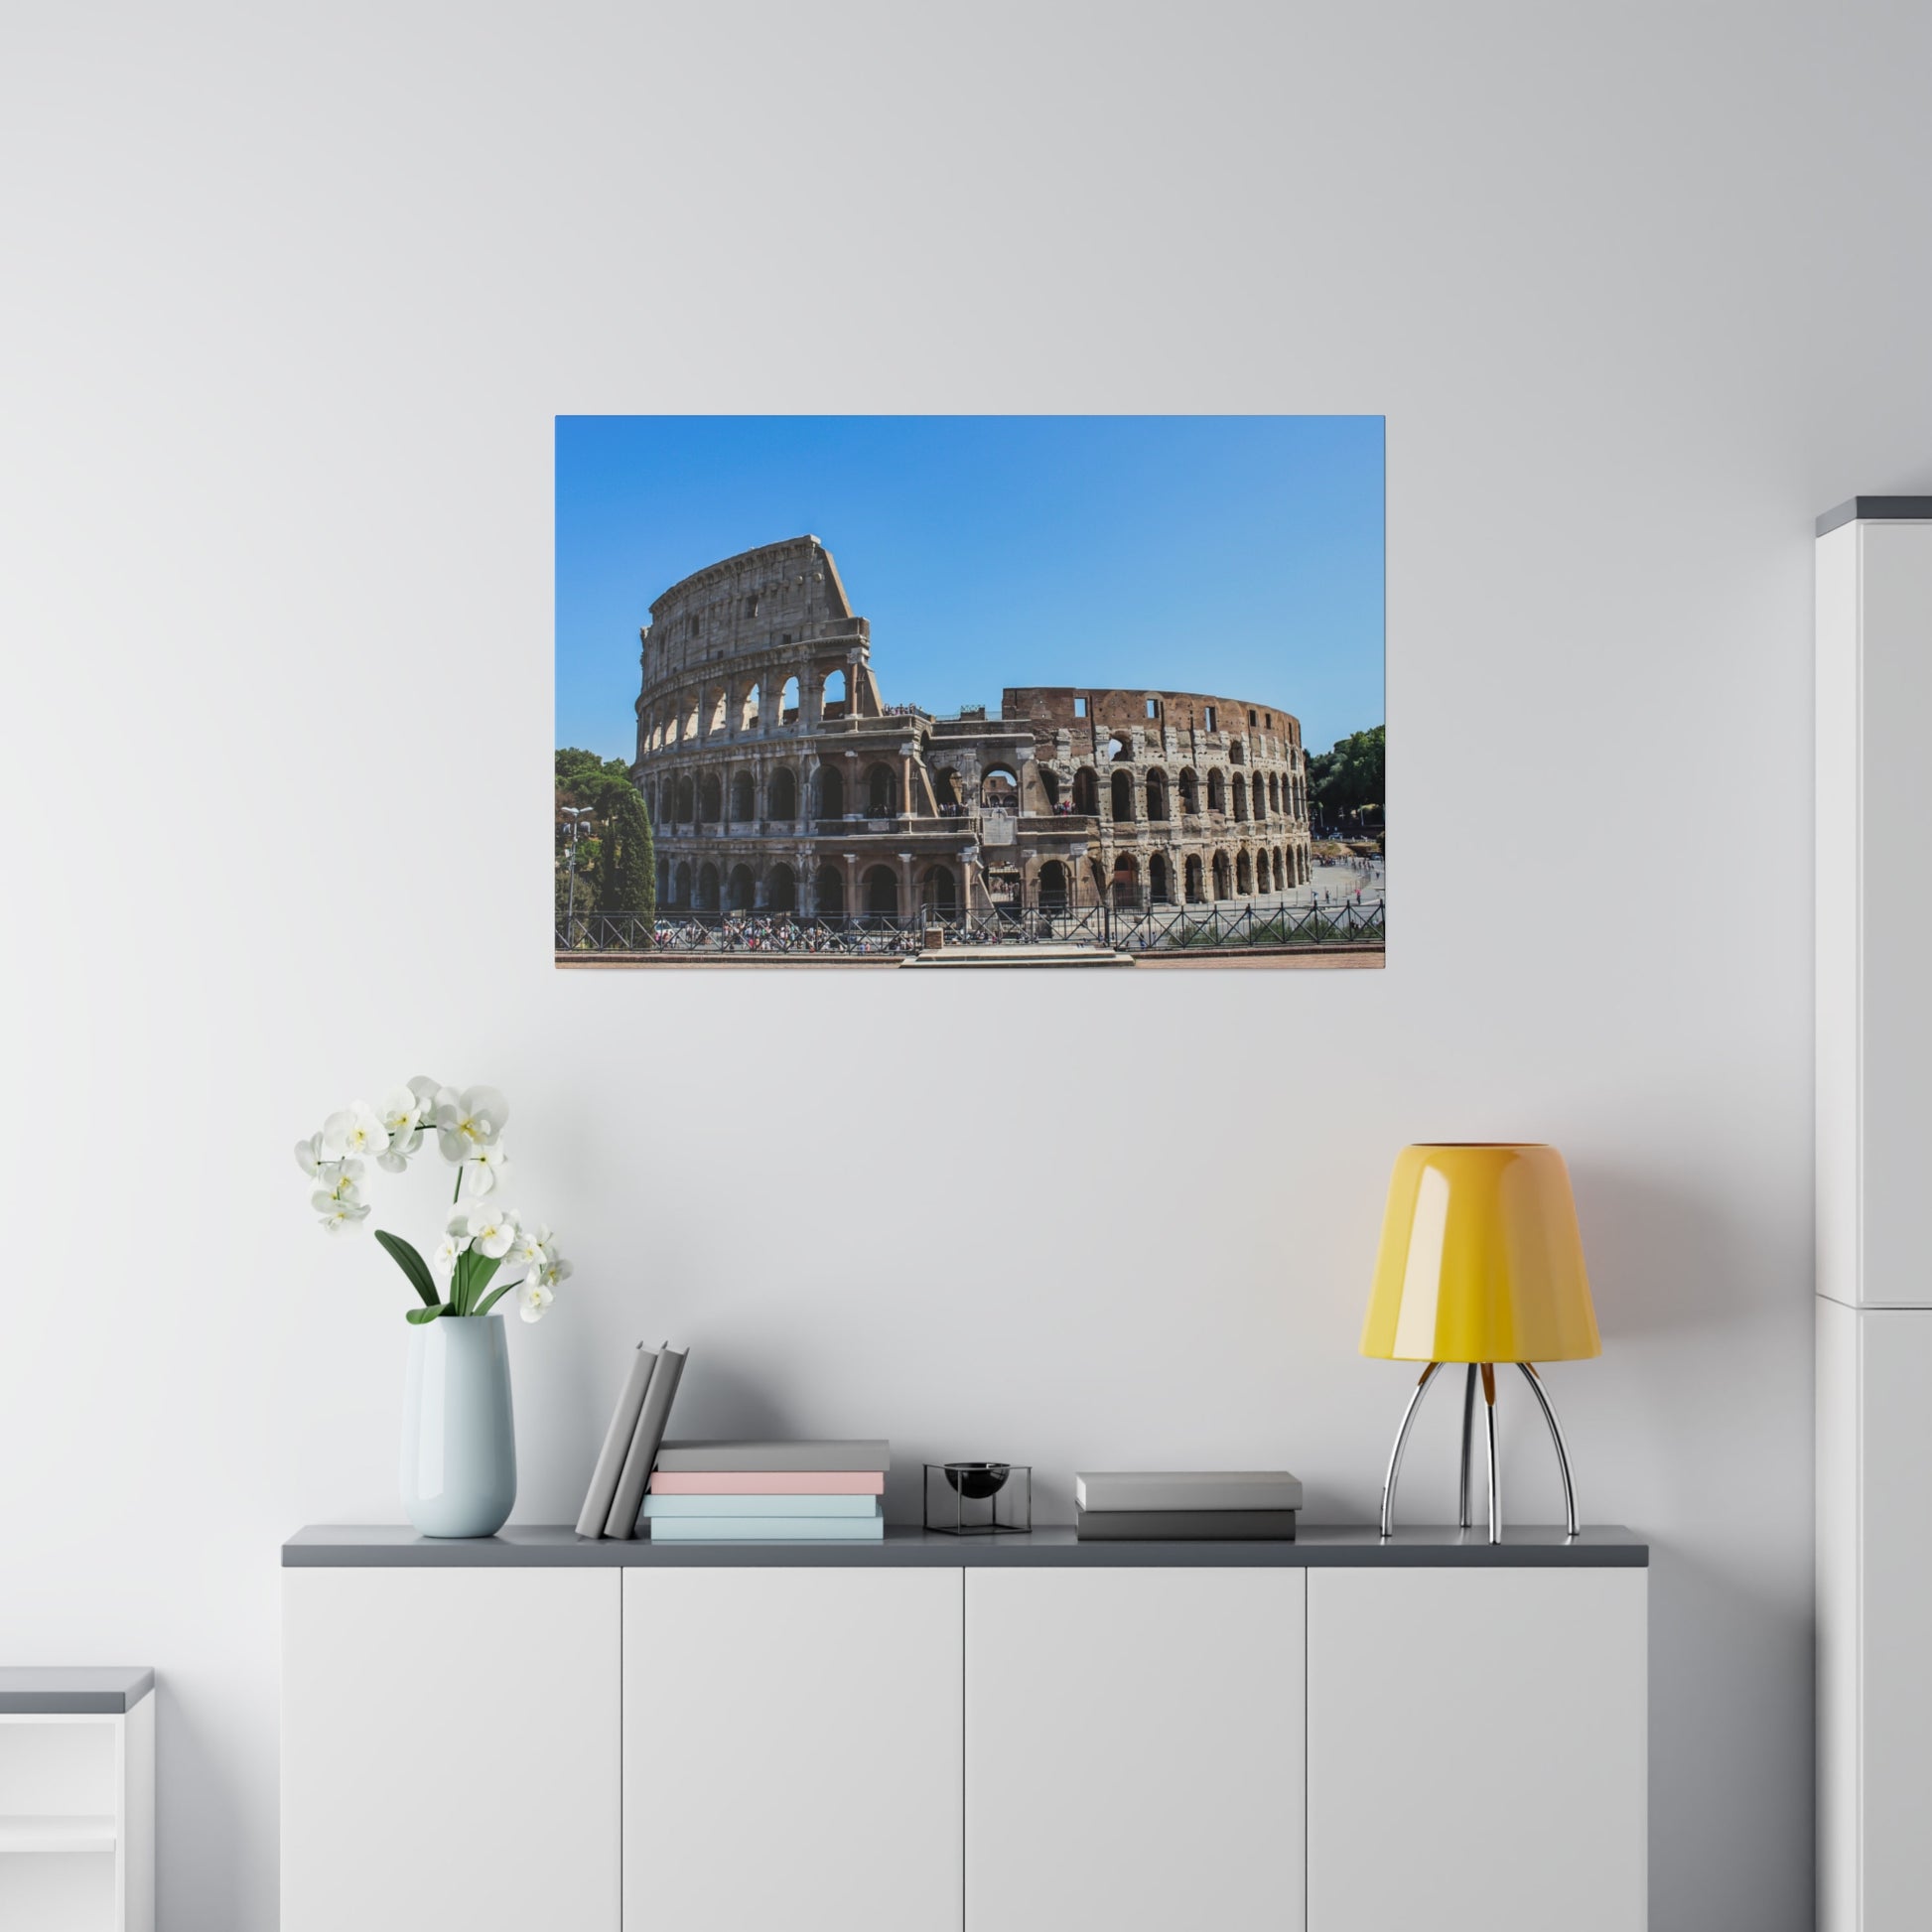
(412, 1265)
(494, 1296)
(420, 1316)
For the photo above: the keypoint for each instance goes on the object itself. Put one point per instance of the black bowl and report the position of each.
(977, 1480)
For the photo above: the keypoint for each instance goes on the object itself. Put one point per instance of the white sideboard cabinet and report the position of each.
(947, 1735)
(1873, 713)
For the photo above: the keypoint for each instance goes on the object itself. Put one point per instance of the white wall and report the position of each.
(292, 300)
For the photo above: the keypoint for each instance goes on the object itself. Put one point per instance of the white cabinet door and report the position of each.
(450, 1749)
(1476, 1750)
(1134, 1750)
(791, 1750)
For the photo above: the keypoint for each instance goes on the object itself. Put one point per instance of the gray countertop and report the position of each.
(1318, 1545)
(67, 1690)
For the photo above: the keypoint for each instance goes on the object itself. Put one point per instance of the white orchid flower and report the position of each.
(491, 1232)
(395, 1158)
(552, 1270)
(486, 1171)
(469, 1121)
(340, 1214)
(400, 1111)
(531, 1301)
(356, 1130)
(532, 1246)
(445, 1257)
(340, 1181)
(308, 1155)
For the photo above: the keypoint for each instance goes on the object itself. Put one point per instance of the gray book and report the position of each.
(739, 1459)
(617, 1444)
(1189, 1489)
(644, 1441)
(1185, 1526)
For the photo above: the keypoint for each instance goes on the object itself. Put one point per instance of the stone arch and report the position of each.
(707, 888)
(747, 711)
(711, 800)
(788, 702)
(946, 788)
(687, 809)
(717, 723)
(1192, 872)
(781, 889)
(829, 786)
(1123, 797)
(1281, 872)
(1056, 889)
(1240, 796)
(880, 789)
(1244, 875)
(1159, 887)
(1126, 883)
(832, 693)
(939, 891)
(663, 881)
(1190, 790)
(1275, 793)
(1000, 789)
(1086, 792)
(1223, 877)
(1237, 752)
(881, 889)
(781, 793)
(681, 890)
(1156, 795)
(740, 889)
(1119, 748)
(744, 799)
(829, 890)
(1049, 783)
(1217, 790)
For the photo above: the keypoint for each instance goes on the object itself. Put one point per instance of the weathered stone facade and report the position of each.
(779, 778)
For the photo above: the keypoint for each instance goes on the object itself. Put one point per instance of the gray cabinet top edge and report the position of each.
(72, 1689)
(1877, 509)
(1318, 1545)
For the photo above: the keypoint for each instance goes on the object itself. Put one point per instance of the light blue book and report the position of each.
(768, 1529)
(662, 1506)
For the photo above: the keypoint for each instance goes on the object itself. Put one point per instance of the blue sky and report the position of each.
(1236, 555)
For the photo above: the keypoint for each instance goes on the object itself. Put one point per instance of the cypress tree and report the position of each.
(628, 874)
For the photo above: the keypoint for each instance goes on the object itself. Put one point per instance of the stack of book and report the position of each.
(777, 1492)
(1227, 1505)
(630, 1443)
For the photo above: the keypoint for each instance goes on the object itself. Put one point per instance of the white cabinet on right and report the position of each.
(1476, 1749)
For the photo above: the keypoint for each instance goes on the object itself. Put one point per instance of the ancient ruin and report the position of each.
(779, 779)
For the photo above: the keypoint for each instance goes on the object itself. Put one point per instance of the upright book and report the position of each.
(644, 1441)
(602, 1491)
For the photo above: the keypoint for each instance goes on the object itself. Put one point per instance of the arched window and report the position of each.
(1240, 796)
(1050, 783)
(881, 889)
(744, 799)
(682, 896)
(1275, 793)
(833, 701)
(939, 891)
(1189, 791)
(689, 729)
(831, 792)
(1118, 748)
(1127, 883)
(882, 791)
(1052, 887)
(711, 800)
(748, 715)
(829, 890)
(1000, 789)
(1194, 875)
(1217, 791)
(788, 702)
(1223, 877)
(781, 793)
(1158, 889)
(1156, 795)
(740, 889)
(1086, 791)
(686, 801)
(708, 888)
(717, 714)
(1123, 797)
(1244, 876)
(781, 889)
(1237, 752)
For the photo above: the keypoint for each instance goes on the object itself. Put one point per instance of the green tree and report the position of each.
(617, 868)
(1346, 787)
(627, 874)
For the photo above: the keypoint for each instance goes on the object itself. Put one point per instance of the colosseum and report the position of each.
(779, 779)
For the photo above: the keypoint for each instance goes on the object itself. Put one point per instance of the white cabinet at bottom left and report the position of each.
(450, 1749)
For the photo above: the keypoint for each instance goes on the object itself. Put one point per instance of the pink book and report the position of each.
(771, 1482)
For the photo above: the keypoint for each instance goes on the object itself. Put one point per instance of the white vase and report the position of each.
(459, 1439)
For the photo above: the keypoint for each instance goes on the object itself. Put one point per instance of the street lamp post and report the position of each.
(576, 814)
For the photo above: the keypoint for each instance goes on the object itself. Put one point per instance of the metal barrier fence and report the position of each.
(1151, 928)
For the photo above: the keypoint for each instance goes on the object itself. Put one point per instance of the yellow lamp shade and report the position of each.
(1481, 1260)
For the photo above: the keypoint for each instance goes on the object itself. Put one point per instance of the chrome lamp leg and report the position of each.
(1556, 1436)
(1401, 1439)
(1495, 1467)
(1463, 1517)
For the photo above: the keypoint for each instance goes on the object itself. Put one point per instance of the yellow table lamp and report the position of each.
(1481, 1263)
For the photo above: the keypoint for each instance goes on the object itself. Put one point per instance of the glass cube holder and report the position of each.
(979, 1498)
